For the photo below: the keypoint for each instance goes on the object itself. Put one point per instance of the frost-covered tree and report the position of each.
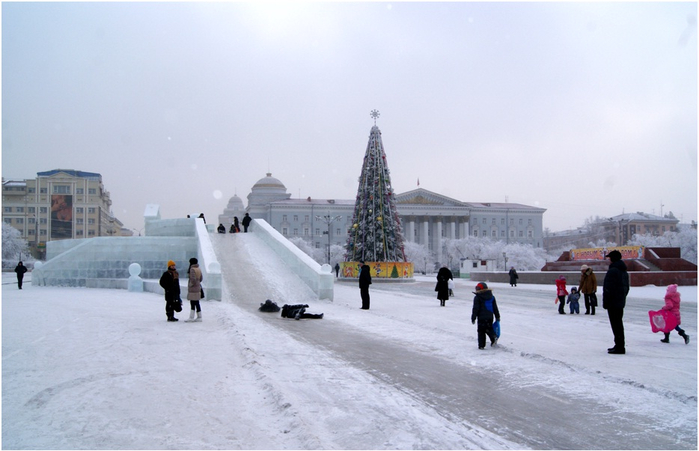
(420, 256)
(14, 246)
(316, 254)
(376, 233)
(523, 257)
(685, 238)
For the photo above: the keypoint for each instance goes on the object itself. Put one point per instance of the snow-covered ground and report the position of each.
(102, 369)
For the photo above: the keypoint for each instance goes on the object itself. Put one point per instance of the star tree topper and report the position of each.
(374, 114)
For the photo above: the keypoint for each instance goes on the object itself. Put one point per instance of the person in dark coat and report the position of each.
(20, 269)
(298, 311)
(588, 287)
(442, 287)
(614, 292)
(246, 222)
(364, 282)
(337, 270)
(221, 228)
(485, 308)
(170, 281)
(513, 277)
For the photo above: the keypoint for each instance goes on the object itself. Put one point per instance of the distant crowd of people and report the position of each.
(235, 225)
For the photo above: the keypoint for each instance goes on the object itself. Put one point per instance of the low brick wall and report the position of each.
(636, 279)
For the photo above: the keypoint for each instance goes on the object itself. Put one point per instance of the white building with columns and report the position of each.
(426, 217)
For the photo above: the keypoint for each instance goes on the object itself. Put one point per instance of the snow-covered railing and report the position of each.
(318, 278)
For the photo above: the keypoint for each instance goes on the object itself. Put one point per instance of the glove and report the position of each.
(473, 321)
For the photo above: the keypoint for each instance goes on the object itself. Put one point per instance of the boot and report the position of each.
(666, 339)
(191, 317)
(592, 310)
(198, 320)
(685, 336)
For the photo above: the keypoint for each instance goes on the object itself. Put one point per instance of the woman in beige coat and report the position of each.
(194, 290)
(588, 287)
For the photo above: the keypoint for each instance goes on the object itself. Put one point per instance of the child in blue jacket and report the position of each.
(574, 301)
(485, 308)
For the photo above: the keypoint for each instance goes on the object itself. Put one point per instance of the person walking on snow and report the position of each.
(170, 281)
(442, 287)
(513, 277)
(364, 282)
(672, 303)
(194, 290)
(20, 269)
(588, 288)
(485, 308)
(561, 293)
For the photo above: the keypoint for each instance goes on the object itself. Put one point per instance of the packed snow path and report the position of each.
(485, 404)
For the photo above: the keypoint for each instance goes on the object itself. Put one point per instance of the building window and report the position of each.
(31, 210)
(530, 234)
(484, 221)
(285, 231)
(337, 231)
(520, 222)
(79, 232)
(43, 190)
(42, 232)
(494, 234)
(31, 190)
(296, 232)
(502, 221)
(296, 218)
(79, 210)
(502, 233)
(8, 220)
(20, 209)
(19, 220)
(61, 189)
(43, 210)
(91, 191)
(91, 210)
(79, 191)
(90, 221)
(306, 231)
(31, 220)
(475, 232)
(79, 220)
(521, 234)
(90, 233)
(494, 221)
(317, 245)
(30, 232)
(283, 218)
(529, 221)
(512, 233)
(43, 221)
(485, 233)
(306, 218)
(512, 222)
(8, 209)
(317, 231)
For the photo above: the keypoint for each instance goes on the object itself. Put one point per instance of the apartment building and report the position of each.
(58, 204)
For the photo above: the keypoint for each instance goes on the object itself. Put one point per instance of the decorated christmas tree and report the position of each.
(375, 235)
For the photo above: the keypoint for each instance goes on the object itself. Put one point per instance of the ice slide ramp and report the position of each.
(254, 270)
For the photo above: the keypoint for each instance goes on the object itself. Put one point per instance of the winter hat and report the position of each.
(193, 261)
(482, 286)
(574, 289)
(614, 256)
(170, 263)
(672, 289)
(584, 268)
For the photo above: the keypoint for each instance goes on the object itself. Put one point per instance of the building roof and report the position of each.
(643, 217)
(71, 172)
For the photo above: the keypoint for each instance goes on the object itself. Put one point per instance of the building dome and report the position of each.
(269, 184)
(235, 203)
(265, 191)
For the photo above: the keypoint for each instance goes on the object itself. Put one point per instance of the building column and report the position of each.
(411, 230)
(437, 241)
(452, 229)
(425, 235)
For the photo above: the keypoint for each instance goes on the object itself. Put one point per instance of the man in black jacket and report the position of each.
(364, 282)
(614, 291)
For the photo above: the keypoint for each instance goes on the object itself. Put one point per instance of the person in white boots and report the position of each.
(194, 289)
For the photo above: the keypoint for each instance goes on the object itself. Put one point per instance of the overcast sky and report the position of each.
(585, 109)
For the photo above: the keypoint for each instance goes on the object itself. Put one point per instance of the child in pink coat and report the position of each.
(672, 303)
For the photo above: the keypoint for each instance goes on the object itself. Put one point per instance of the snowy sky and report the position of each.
(584, 109)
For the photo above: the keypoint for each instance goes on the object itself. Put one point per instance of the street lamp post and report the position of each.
(328, 220)
(504, 256)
